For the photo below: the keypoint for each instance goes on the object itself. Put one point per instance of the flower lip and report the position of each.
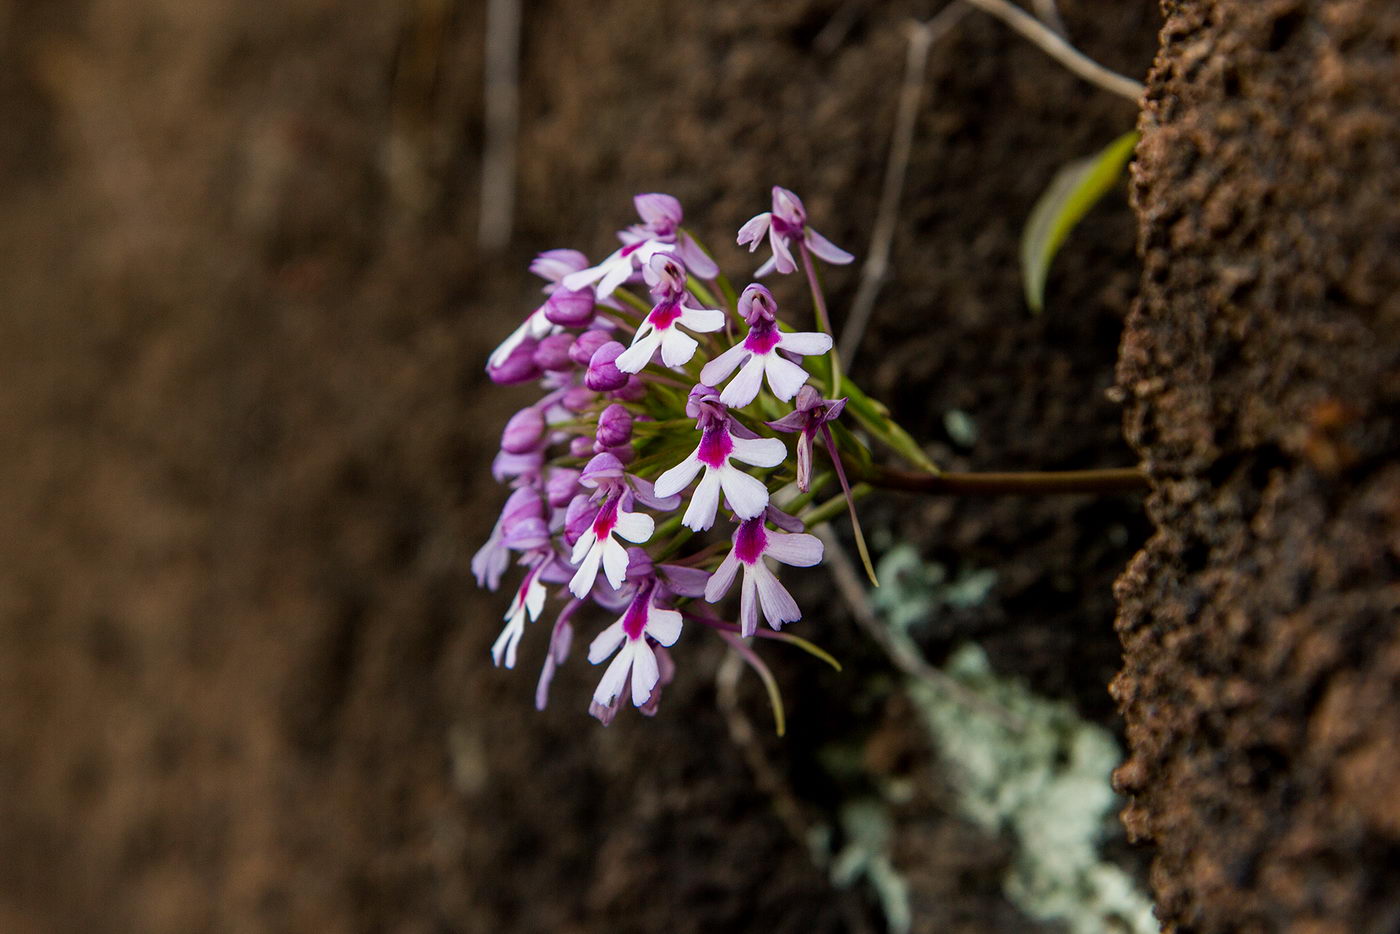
(634, 621)
(715, 446)
(751, 540)
(763, 337)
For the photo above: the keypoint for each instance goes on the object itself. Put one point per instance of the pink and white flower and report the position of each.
(529, 600)
(661, 329)
(761, 588)
(745, 495)
(757, 356)
(659, 232)
(596, 546)
(628, 637)
(785, 223)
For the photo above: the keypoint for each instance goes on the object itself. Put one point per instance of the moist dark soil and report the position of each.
(1261, 683)
(244, 678)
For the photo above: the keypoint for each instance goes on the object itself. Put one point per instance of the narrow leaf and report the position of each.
(1072, 192)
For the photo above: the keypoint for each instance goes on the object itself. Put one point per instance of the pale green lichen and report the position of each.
(1022, 765)
(1033, 768)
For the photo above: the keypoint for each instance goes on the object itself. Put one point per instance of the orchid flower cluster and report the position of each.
(661, 417)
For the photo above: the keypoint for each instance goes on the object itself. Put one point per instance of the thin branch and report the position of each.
(1056, 47)
(502, 123)
(1048, 13)
(876, 267)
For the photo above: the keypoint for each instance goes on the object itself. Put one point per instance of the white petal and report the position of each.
(645, 672)
(586, 574)
(700, 514)
(636, 357)
(701, 320)
(806, 343)
(782, 256)
(748, 606)
(678, 477)
(744, 387)
(797, 549)
(717, 369)
(586, 277)
(825, 249)
(677, 348)
(664, 626)
(761, 452)
(611, 684)
(605, 643)
(615, 276)
(778, 605)
(754, 229)
(636, 527)
(766, 268)
(719, 583)
(534, 598)
(503, 651)
(784, 377)
(614, 562)
(747, 496)
(582, 546)
(499, 355)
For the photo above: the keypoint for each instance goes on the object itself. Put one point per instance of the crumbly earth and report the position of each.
(1261, 681)
(244, 680)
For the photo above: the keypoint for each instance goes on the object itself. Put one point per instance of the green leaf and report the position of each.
(1072, 192)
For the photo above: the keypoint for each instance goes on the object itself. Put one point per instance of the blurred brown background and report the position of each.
(244, 680)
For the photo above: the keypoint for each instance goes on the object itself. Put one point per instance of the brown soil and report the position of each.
(244, 681)
(1261, 683)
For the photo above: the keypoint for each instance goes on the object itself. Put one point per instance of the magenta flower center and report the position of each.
(751, 540)
(763, 337)
(606, 519)
(634, 621)
(664, 315)
(715, 446)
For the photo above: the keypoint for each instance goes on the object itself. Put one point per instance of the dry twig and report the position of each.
(1056, 47)
(872, 274)
(502, 123)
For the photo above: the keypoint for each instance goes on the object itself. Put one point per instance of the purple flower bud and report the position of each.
(614, 426)
(569, 307)
(518, 367)
(661, 213)
(578, 517)
(639, 569)
(526, 535)
(788, 208)
(523, 432)
(581, 446)
(559, 642)
(757, 304)
(577, 398)
(586, 344)
(561, 486)
(553, 353)
(523, 504)
(603, 374)
(634, 391)
(601, 469)
(554, 265)
(508, 465)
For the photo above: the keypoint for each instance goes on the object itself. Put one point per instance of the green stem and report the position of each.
(823, 319)
(1107, 480)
